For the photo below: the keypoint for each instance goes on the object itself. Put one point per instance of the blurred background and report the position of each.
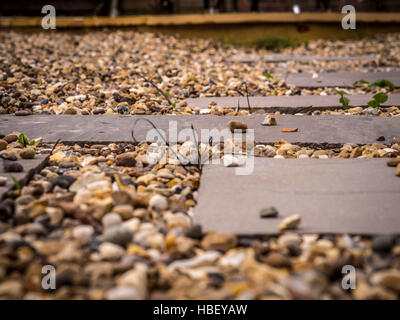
(138, 7)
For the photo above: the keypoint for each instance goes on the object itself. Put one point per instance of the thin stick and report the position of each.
(247, 96)
(154, 86)
(162, 137)
(238, 105)
(55, 145)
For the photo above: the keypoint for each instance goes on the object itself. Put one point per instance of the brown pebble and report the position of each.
(269, 212)
(3, 144)
(219, 241)
(10, 138)
(393, 162)
(291, 222)
(125, 160)
(381, 138)
(237, 125)
(277, 260)
(289, 130)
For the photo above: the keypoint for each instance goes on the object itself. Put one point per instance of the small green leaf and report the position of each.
(361, 82)
(373, 104)
(21, 139)
(32, 143)
(174, 105)
(339, 92)
(345, 102)
(167, 94)
(381, 97)
(267, 75)
(16, 183)
(383, 84)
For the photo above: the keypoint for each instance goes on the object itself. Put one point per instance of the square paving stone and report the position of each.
(324, 129)
(356, 196)
(340, 79)
(298, 57)
(290, 104)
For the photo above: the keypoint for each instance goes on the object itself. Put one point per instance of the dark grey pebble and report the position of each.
(269, 212)
(13, 167)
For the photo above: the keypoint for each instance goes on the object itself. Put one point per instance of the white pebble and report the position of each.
(232, 161)
(122, 293)
(83, 232)
(158, 202)
(111, 219)
(110, 251)
(205, 111)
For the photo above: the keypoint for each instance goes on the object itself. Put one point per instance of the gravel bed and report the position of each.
(116, 226)
(118, 71)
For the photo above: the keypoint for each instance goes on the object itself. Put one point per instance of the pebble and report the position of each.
(12, 167)
(3, 181)
(289, 240)
(3, 144)
(27, 153)
(158, 202)
(8, 156)
(99, 110)
(237, 125)
(23, 113)
(12, 289)
(118, 234)
(219, 241)
(204, 259)
(122, 293)
(291, 222)
(63, 181)
(137, 279)
(111, 219)
(269, 121)
(389, 279)
(10, 138)
(195, 232)
(277, 260)
(110, 251)
(393, 162)
(125, 160)
(383, 243)
(83, 232)
(125, 211)
(205, 111)
(132, 224)
(233, 161)
(269, 212)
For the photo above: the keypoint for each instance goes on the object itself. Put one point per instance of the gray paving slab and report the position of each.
(305, 58)
(30, 166)
(340, 79)
(355, 196)
(290, 104)
(113, 128)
